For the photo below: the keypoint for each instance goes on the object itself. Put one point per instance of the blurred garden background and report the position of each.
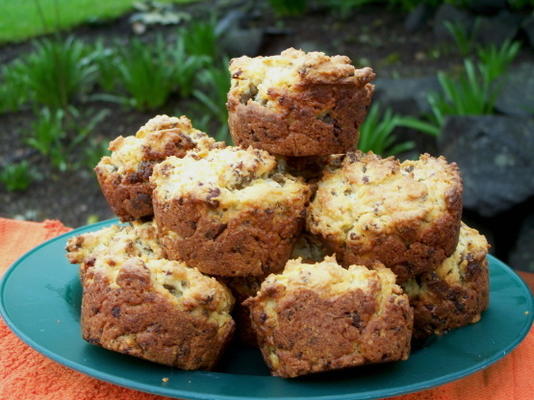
(454, 77)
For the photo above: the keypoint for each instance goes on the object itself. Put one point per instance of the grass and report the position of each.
(473, 92)
(146, 72)
(286, 8)
(216, 84)
(23, 19)
(17, 177)
(55, 72)
(376, 133)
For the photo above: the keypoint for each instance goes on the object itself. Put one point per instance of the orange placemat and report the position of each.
(27, 375)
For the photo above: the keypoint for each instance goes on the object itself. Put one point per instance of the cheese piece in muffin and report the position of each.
(228, 212)
(320, 317)
(405, 215)
(136, 239)
(298, 103)
(123, 176)
(456, 293)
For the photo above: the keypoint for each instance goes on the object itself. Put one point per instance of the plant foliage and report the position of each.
(55, 72)
(17, 176)
(217, 81)
(146, 73)
(377, 133)
(200, 39)
(286, 8)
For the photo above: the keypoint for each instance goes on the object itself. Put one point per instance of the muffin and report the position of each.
(136, 239)
(158, 310)
(456, 293)
(404, 215)
(319, 317)
(136, 302)
(243, 287)
(228, 212)
(298, 103)
(124, 176)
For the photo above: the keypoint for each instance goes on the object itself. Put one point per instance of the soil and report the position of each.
(372, 36)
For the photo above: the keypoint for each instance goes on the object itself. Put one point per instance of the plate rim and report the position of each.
(184, 393)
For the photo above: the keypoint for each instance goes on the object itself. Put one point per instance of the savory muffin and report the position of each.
(228, 212)
(298, 103)
(405, 215)
(124, 176)
(456, 293)
(319, 317)
(136, 239)
(156, 309)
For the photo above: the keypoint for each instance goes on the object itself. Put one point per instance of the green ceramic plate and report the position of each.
(40, 301)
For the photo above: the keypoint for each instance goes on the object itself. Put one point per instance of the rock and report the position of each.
(446, 12)
(495, 30)
(522, 255)
(406, 96)
(418, 17)
(487, 6)
(242, 42)
(235, 37)
(494, 154)
(517, 91)
(528, 28)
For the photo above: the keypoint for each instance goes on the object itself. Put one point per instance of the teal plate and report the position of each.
(40, 301)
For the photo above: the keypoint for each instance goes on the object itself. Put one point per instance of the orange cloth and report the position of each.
(27, 375)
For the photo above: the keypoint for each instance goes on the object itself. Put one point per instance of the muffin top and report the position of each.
(228, 178)
(185, 287)
(472, 246)
(109, 251)
(329, 279)
(137, 239)
(256, 78)
(159, 137)
(363, 194)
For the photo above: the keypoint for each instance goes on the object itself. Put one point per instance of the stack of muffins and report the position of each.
(333, 258)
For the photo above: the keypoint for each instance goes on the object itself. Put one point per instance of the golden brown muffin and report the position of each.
(136, 239)
(298, 103)
(159, 310)
(319, 317)
(228, 212)
(135, 302)
(456, 293)
(124, 176)
(405, 215)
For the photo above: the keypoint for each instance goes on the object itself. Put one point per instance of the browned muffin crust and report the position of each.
(456, 293)
(131, 317)
(405, 215)
(136, 239)
(297, 103)
(228, 212)
(124, 176)
(330, 320)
